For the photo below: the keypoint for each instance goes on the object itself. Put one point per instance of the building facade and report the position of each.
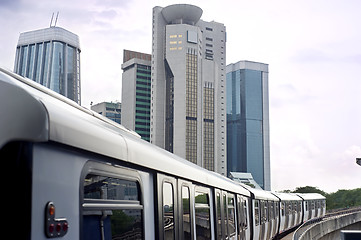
(111, 110)
(51, 57)
(188, 106)
(136, 92)
(248, 147)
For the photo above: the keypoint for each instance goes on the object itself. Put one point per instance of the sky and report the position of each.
(313, 49)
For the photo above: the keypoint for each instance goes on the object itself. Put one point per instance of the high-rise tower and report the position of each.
(248, 147)
(51, 57)
(136, 92)
(188, 106)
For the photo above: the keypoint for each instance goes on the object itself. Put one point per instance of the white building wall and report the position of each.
(209, 71)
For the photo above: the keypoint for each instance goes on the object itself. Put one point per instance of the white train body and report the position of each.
(74, 174)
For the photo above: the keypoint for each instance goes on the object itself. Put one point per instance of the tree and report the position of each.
(309, 189)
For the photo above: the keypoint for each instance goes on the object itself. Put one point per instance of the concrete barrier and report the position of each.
(330, 228)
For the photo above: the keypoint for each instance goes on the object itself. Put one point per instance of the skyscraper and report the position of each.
(51, 57)
(111, 110)
(136, 92)
(188, 106)
(248, 147)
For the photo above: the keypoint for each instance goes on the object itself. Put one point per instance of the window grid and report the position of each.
(191, 105)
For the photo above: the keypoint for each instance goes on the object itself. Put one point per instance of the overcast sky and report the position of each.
(313, 49)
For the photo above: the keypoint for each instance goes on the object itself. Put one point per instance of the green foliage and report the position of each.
(309, 189)
(336, 200)
(344, 199)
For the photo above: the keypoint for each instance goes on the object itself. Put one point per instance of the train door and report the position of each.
(231, 216)
(287, 212)
(184, 210)
(256, 218)
(168, 223)
(293, 211)
(219, 215)
(270, 219)
(225, 215)
(242, 212)
(185, 192)
(263, 222)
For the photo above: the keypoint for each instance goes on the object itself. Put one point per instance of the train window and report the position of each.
(256, 212)
(265, 217)
(109, 188)
(271, 210)
(202, 209)
(231, 216)
(277, 211)
(186, 214)
(168, 210)
(219, 219)
(283, 208)
(112, 208)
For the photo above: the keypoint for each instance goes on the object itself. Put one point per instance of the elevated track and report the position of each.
(330, 224)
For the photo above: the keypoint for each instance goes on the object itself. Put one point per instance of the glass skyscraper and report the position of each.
(248, 121)
(51, 57)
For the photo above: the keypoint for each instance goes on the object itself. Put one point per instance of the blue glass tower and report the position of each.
(51, 57)
(248, 121)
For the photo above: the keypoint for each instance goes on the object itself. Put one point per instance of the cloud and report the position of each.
(9, 4)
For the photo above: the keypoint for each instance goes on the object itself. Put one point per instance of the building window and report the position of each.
(191, 105)
(208, 127)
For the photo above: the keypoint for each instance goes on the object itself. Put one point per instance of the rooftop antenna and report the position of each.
(51, 21)
(56, 19)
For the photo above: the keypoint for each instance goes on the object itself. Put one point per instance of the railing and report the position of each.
(337, 213)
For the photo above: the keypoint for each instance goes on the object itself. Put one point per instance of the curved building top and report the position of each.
(182, 13)
(49, 34)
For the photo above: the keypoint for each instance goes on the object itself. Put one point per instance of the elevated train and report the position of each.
(74, 174)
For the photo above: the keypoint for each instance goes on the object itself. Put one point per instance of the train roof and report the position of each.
(311, 196)
(287, 196)
(261, 194)
(35, 113)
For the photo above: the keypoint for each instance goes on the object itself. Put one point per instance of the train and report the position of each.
(74, 174)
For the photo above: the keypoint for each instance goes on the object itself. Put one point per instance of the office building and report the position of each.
(136, 92)
(245, 178)
(51, 57)
(248, 147)
(111, 110)
(188, 106)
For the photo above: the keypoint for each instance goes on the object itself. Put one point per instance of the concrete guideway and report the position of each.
(329, 227)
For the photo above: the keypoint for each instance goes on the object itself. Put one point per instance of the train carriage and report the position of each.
(265, 219)
(314, 205)
(290, 211)
(74, 174)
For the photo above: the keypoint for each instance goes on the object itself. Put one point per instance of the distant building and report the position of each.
(51, 57)
(111, 110)
(188, 113)
(245, 178)
(136, 92)
(248, 147)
